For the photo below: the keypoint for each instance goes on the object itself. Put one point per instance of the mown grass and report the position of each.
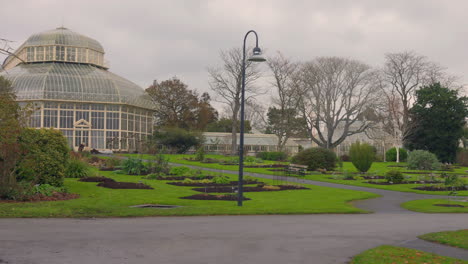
(457, 238)
(378, 168)
(392, 255)
(103, 202)
(428, 206)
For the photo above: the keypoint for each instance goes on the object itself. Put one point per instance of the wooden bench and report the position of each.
(297, 169)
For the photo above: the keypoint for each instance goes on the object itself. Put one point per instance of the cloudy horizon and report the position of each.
(148, 40)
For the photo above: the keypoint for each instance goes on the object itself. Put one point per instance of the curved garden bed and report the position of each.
(228, 189)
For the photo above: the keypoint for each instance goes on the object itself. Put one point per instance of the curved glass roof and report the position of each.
(74, 82)
(63, 36)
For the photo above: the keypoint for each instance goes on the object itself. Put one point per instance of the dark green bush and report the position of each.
(177, 139)
(362, 155)
(391, 154)
(77, 169)
(422, 160)
(272, 155)
(316, 158)
(134, 166)
(394, 176)
(46, 156)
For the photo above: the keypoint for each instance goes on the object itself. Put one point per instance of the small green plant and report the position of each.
(134, 166)
(188, 181)
(348, 175)
(180, 171)
(112, 162)
(221, 180)
(76, 169)
(358, 178)
(152, 176)
(205, 181)
(394, 176)
(200, 154)
(159, 164)
(272, 155)
(249, 179)
(362, 156)
(422, 160)
(47, 189)
(197, 173)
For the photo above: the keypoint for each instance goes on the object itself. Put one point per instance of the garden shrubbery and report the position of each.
(391, 154)
(394, 176)
(316, 158)
(272, 155)
(45, 156)
(362, 155)
(422, 160)
(77, 168)
(134, 166)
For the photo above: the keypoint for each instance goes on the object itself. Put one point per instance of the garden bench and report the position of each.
(297, 169)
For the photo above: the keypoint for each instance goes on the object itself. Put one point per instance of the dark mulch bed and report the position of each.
(123, 185)
(56, 196)
(396, 166)
(228, 189)
(96, 179)
(109, 169)
(214, 197)
(404, 182)
(450, 205)
(195, 184)
(181, 178)
(266, 166)
(373, 177)
(440, 188)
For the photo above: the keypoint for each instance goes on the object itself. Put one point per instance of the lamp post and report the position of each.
(256, 57)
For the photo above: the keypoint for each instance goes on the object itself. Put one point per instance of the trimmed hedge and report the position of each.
(316, 158)
(272, 155)
(362, 156)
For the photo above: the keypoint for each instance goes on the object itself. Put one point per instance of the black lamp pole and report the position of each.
(257, 58)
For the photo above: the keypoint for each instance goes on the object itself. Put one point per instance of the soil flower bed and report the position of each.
(181, 178)
(222, 197)
(228, 189)
(56, 196)
(450, 205)
(403, 182)
(440, 188)
(211, 184)
(96, 179)
(123, 185)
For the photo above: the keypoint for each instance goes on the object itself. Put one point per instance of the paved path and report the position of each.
(271, 239)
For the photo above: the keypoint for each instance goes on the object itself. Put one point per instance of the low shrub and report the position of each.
(180, 171)
(272, 155)
(76, 169)
(134, 166)
(422, 160)
(47, 189)
(454, 181)
(221, 180)
(394, 176)
(316, 158)
(112, 162)
(391, 154)
(200, 154)
(362, 156)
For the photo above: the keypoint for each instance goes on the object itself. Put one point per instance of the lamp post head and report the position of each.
(257, 55)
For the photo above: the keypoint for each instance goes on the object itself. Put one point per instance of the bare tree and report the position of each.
(226, 82)
(255, 113)
(407, 71)
(286, 98)
(336, 91)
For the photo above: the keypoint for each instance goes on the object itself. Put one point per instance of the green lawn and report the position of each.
(378, 168)
(103, 202)
(427, 206)
(457, 238)
(392, 255)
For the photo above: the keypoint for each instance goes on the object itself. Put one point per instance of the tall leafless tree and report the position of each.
(403, 73)
(226, 82)
(286, 96)
(336, 91)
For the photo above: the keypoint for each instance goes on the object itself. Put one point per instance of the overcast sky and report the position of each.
(147, 40)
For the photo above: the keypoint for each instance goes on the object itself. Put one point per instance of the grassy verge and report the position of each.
(427, 206)
(457, 238)
(390, 255)
(102, 202)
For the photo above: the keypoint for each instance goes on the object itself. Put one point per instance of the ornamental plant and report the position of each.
(422, 160)
(394, 176)
(362, 155)
(316, 158)
(391, 154)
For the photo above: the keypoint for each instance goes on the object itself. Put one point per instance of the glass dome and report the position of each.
(74, 82)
